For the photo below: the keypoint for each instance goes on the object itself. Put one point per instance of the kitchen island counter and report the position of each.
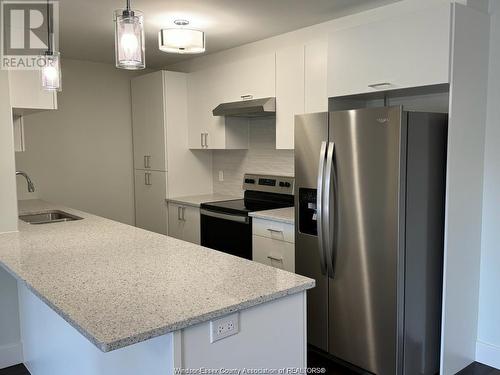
(119, 285)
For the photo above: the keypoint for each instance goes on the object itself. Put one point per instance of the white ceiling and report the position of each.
(86, 26)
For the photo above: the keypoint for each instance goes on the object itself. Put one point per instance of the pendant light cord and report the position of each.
(49, 30)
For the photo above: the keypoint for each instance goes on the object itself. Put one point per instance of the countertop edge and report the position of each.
(127, 341)
(57, 310)
(207, 198)
(118, 344)
(177, 201)
(271, 218)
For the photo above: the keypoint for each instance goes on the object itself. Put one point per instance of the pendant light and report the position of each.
(181, 40)
(129, 39)
(51, 70)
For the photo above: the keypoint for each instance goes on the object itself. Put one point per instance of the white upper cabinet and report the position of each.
(148, 122)
(26, 91)
(207, 88)
(408, 51)
(289, 93)
(315, 59)
(301, 73)
(252, 76)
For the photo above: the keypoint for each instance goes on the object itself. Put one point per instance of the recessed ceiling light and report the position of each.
(181, 40)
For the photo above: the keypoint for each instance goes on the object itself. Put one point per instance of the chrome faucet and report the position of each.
(31, 187)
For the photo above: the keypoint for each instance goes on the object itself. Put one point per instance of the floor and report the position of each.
(478, 369)
(15, 370)
(315, 360)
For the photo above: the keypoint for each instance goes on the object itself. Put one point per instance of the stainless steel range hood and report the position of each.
(247, 108)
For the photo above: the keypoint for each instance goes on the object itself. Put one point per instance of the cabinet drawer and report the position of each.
(274, 253)
(273, 229)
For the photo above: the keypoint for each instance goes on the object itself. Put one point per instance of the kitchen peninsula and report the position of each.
(100, 297)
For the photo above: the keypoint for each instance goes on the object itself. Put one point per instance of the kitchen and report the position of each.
(165, 150)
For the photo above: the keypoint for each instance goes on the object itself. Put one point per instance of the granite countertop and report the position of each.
(197, 200)
(119, 285)
(284, 215)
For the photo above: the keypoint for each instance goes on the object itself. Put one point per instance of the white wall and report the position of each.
(81, 154)
(488, 345)
(10, 352)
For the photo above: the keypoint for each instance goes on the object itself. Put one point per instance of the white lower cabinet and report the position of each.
(150, 204)
(184, 222)
(273, 244)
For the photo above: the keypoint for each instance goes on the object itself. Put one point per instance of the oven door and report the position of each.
(229, 233)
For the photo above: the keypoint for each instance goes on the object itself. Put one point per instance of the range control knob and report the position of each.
(249, 181)
(287, 184)
(282, 184)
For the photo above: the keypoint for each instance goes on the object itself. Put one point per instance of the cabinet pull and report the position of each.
(206, 140)
(202, 135)
(147, 179)
(379, 85)
(247, 97)
(275, 259)
(274, 230)
(179, 213)
(183, 210)
(147, 161)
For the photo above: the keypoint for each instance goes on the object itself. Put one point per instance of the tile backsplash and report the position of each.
(261, 157)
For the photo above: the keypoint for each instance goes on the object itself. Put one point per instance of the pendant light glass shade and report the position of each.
(51, 72)
(129, 40)
(180, 40)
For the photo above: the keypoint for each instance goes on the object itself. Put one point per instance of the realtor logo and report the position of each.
(25, 33)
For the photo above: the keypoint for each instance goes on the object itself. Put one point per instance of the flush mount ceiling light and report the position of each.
(129, 39)
(51, 69)
(181, 40)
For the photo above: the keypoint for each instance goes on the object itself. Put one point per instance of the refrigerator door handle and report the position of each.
(319, 208)
(329, 210)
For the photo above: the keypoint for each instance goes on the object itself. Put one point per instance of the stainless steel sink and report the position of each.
(46, 217)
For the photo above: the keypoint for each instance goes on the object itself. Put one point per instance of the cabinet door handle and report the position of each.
(147, 161)
(179, 213)
(380, 85)
(183, 213)
(274, 230)
(275, 259)
(247, 97)
(202, 135)
(206, 140)
(147, 179)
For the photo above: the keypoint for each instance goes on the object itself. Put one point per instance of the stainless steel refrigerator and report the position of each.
(370, 187)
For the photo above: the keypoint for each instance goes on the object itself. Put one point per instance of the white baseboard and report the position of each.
(488, 354)
(11, 355)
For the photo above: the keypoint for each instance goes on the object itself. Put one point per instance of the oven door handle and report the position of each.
(219, 215)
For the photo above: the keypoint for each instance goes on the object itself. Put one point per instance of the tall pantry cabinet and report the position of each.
(164, 166)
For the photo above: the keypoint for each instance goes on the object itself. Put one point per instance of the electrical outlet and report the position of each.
(221, 176)
(224, 327)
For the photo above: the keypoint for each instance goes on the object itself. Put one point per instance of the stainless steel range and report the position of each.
(226, 226)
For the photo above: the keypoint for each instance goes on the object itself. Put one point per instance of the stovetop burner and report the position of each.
(262, 192)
